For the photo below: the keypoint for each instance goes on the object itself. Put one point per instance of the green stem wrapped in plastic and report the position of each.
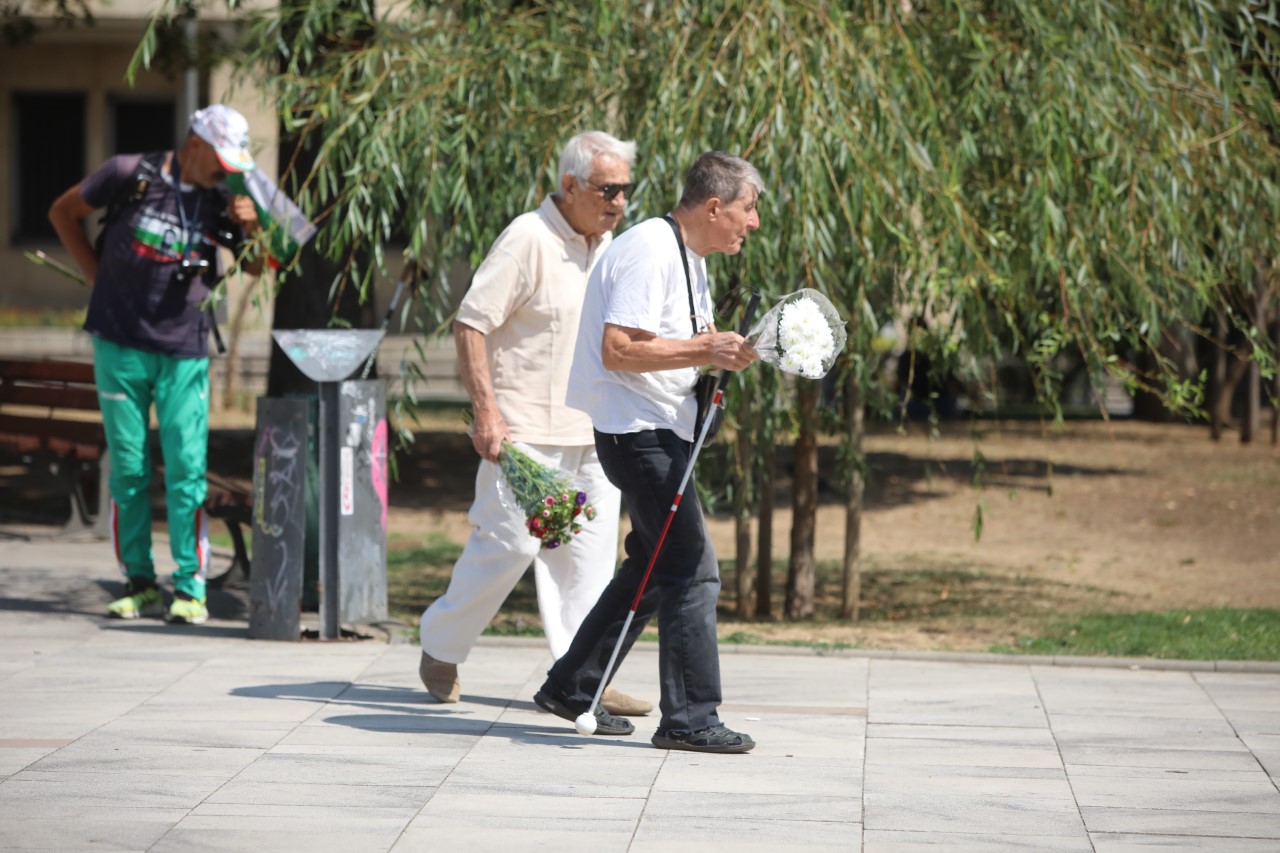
(553, 506)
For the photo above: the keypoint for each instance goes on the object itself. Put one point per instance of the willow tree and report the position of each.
(1034, 179)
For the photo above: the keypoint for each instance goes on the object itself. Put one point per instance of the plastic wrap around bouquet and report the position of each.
(801, 335)
(554, 508)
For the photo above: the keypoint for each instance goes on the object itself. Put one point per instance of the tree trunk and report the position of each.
(319, 290)
(231, 382)
(1275, 389)
(1252, 420)
(851, 587)
(804, 506)
(1220, 405)
(1251, 423)
(764, 533)
(742, 522)
(1218, 380)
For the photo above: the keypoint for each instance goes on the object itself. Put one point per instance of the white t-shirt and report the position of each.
(526, 298)
(639, 283)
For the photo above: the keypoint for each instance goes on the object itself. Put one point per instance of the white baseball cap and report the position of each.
(228, 132)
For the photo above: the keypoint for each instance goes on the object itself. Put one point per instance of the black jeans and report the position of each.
(647, 468)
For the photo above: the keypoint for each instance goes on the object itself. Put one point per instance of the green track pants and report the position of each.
(129, 381)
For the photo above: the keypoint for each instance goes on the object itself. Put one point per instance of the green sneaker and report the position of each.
(187, 611)
(145, 601)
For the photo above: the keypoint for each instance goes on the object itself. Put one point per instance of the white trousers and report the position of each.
(568, 579)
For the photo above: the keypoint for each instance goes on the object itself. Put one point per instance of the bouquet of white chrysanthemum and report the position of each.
(801, 335)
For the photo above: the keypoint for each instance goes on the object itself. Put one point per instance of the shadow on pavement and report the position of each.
(406, 710)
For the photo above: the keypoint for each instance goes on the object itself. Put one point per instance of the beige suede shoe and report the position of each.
(621, 705)
(440, 679)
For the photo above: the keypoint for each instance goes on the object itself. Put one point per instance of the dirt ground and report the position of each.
(1087, 516)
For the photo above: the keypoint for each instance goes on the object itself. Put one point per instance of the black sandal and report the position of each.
(606, 723)
(719, 738)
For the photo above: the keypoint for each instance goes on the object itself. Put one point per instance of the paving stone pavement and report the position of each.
(141, 736)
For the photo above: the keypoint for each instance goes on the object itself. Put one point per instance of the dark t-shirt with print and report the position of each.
(137, 299)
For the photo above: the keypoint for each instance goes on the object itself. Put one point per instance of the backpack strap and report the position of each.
(132, 192)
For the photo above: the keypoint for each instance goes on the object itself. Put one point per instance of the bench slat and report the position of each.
(45, 430)
(52, 396)
(48, 371)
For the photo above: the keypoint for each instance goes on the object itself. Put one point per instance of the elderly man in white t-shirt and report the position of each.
(515, 335)
(646, 329)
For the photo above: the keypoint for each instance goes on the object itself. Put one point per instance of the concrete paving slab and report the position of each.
(1194, 733)
(42, 715)
(1251, 796)
(35, 793)
(769, 805)
(959, 752)
(125, 833)
(502, 835)
(924, 693)
(1085, 755)
(8, 668)
(916, 811)
(14, 759)
(1254, 721)
(1265, 749)
(1204, 844)
(86, 674)
(137, 735)
(808, 682)
(331, 796)
(1171, 774)
(900, 841)
(783, 733)
(1127, 820)
(228, 835)
(1007, 736)
(984, 782)
(742, 832)
(587, 773)
(1123, 693)
(352, 765)
(330, 731)
(130, 731)
(1241, 691)
(477, 802)
(91, 756)
(759, 774)
(527, 742)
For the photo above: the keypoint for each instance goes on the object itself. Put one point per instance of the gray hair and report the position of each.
(581, 151)
(716, 174)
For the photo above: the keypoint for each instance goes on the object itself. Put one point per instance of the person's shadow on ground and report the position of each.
(406, 710)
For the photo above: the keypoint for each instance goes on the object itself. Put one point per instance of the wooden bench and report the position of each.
(231, 501)
(50, 425)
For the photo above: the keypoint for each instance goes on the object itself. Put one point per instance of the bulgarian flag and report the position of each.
(288, 229)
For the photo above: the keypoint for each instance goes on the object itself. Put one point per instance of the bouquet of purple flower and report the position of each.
(551, 503)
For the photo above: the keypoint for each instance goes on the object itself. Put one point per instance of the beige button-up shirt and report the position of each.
(526, 298)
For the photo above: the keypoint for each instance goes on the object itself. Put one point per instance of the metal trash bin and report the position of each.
(353, 492)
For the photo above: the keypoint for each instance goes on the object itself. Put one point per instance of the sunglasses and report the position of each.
(610, 191)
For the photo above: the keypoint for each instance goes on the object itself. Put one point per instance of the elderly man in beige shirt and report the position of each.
(515, 335)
